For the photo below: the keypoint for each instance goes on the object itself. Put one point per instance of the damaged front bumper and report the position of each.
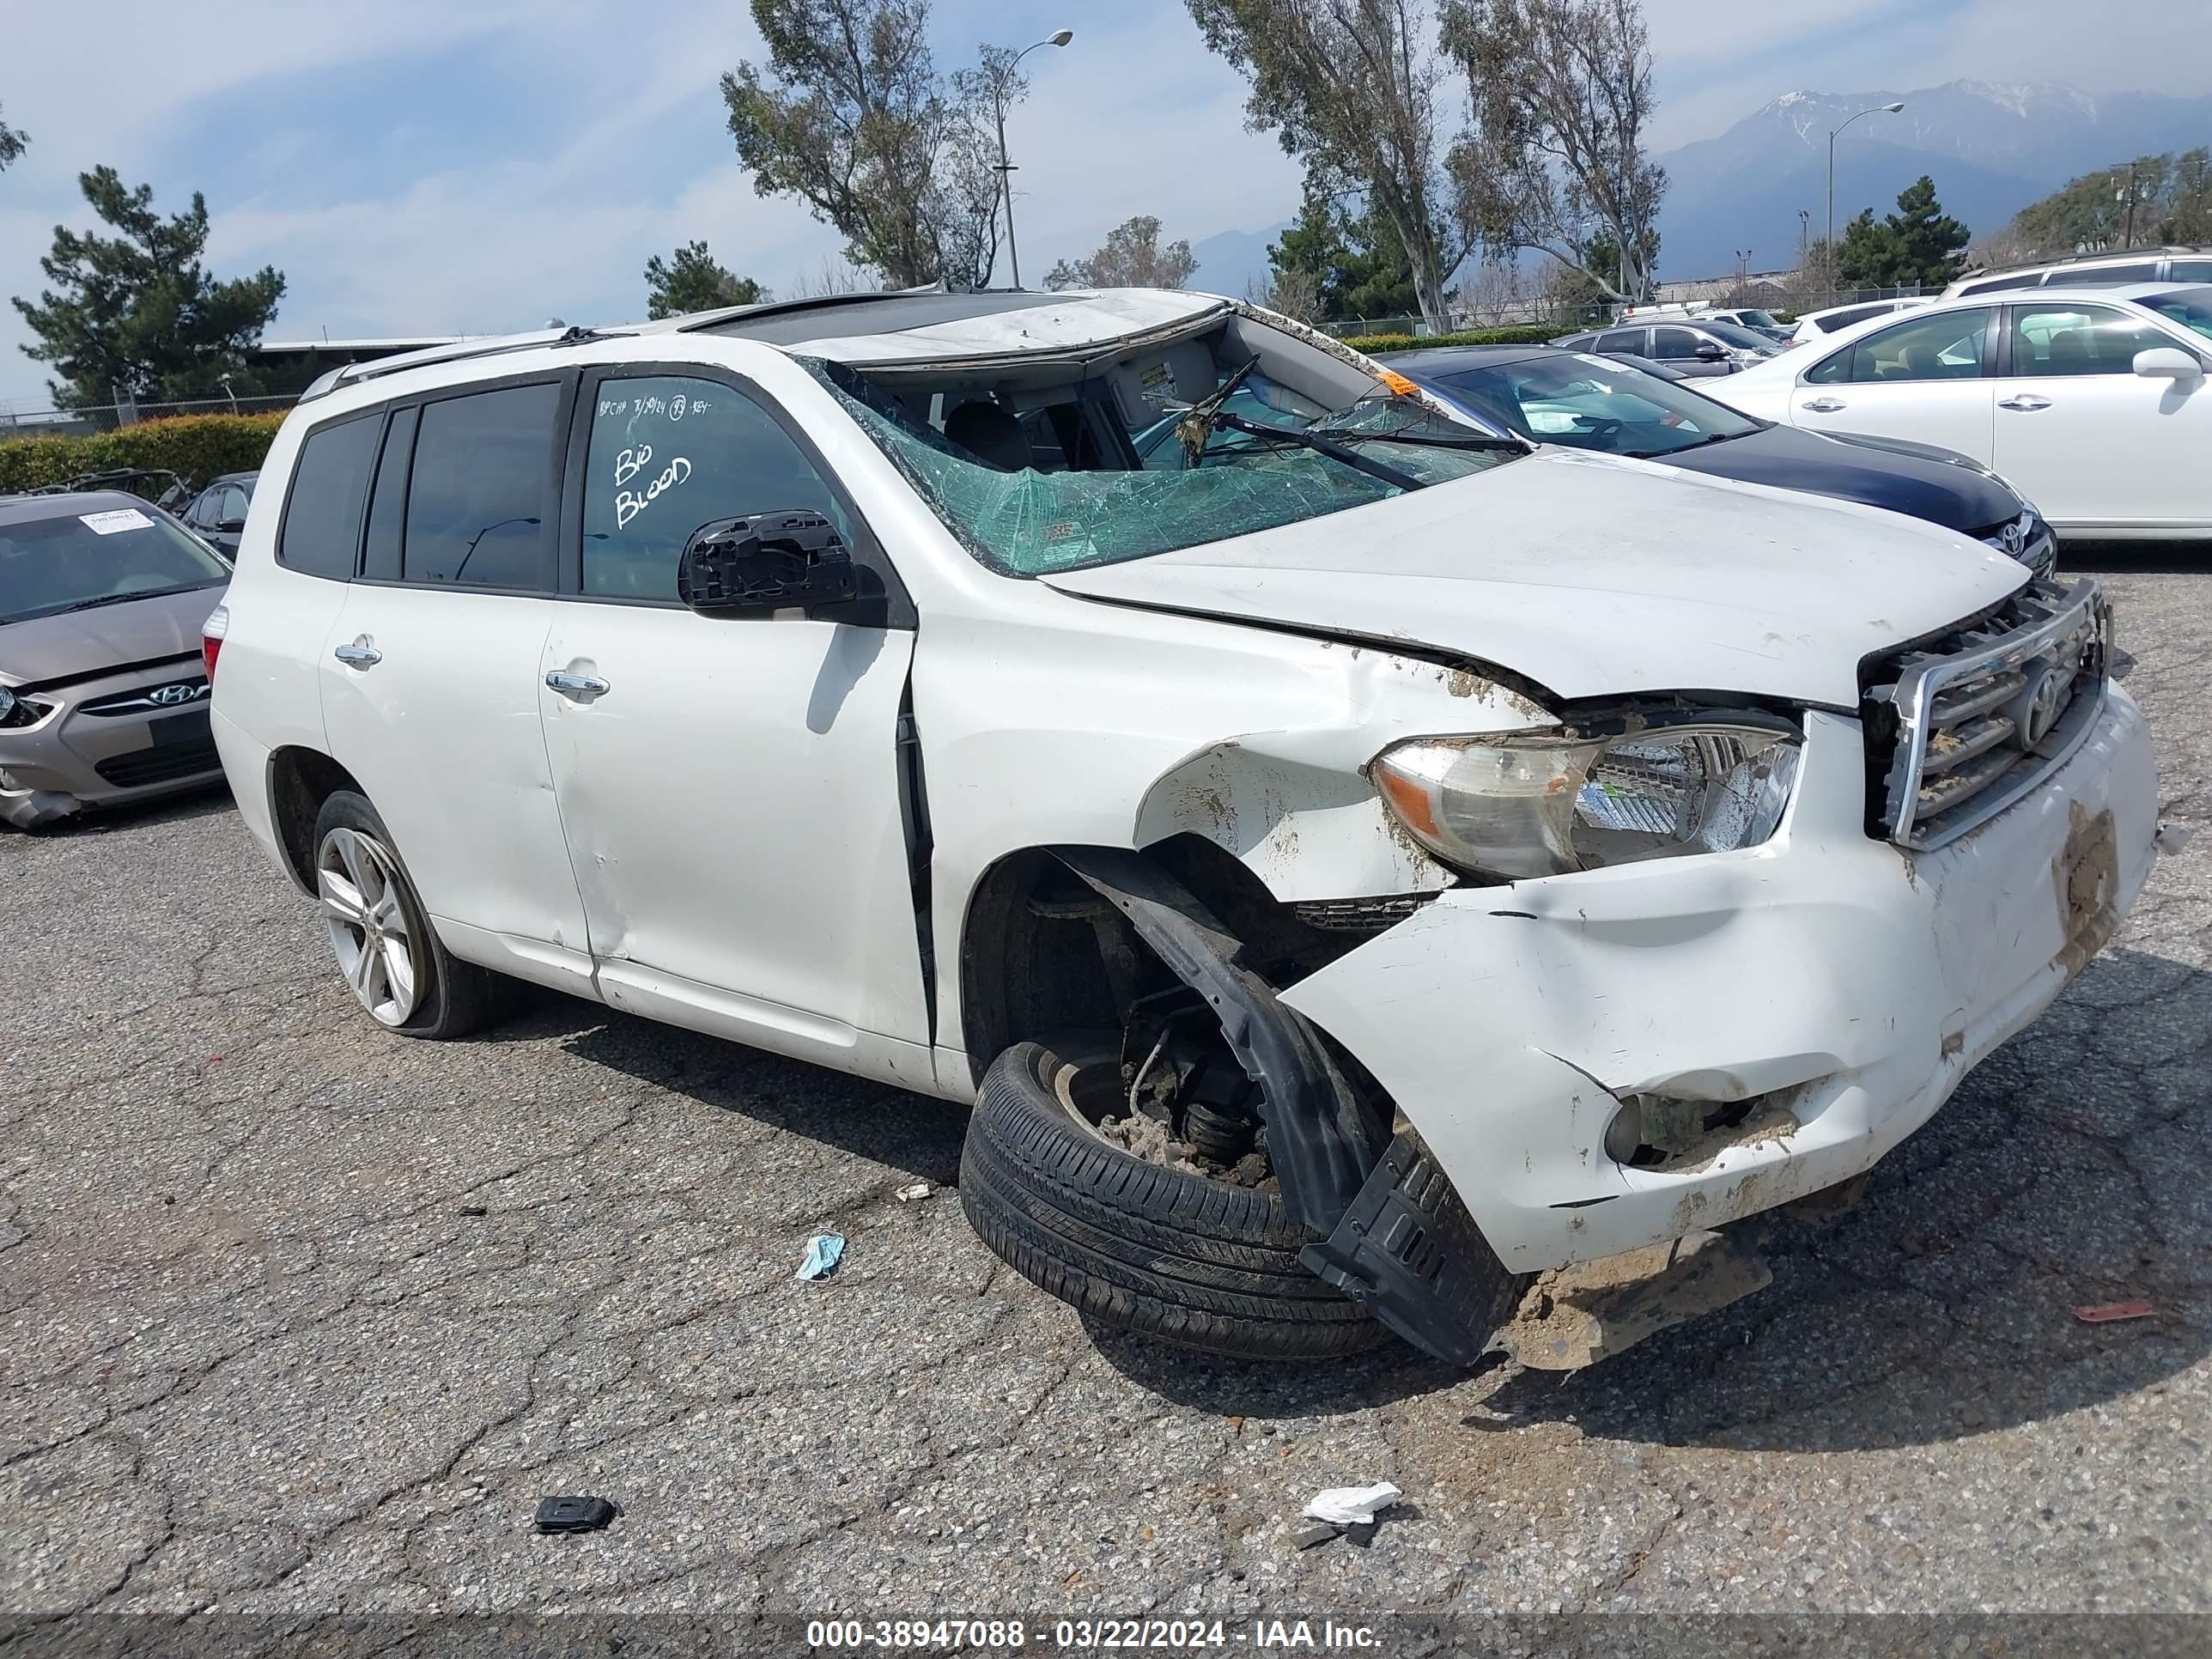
(1776, 1019)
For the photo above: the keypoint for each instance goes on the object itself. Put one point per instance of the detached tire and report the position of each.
(1175, 1256)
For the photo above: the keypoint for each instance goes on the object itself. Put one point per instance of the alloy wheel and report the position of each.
(357, 880)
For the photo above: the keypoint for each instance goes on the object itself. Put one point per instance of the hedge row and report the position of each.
(1537, 334)
(195, 447)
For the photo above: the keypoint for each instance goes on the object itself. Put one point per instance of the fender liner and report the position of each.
(1320, 1138)
(1389, 1228)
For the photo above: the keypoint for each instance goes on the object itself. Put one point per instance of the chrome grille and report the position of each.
(1962, 725)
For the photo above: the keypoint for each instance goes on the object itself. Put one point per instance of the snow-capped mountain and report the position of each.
(1991, 149)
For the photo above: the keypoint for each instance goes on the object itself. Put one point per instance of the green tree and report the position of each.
(1918, 243)
(1356, 264)
(14, 141)
(1131, 256)
(137, 314)
(850, 116)
(1562, 91)
(2186, 216)
(692, 281)
(1350, 86)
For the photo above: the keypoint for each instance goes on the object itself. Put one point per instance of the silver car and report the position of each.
(103, 694)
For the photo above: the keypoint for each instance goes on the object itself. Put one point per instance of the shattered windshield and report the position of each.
(1024, 521)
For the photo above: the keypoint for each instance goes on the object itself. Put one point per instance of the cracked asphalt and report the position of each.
(297, 1318)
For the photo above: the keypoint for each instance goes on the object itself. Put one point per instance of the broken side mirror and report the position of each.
(791, 558)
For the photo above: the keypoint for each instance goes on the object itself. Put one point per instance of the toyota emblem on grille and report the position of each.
(172, 695)
(2015, 538)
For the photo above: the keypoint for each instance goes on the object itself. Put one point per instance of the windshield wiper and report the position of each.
(124, 599)
(1198, 422)
(1336, 451)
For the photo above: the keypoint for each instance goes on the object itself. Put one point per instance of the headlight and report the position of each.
(1523, 805)
(7, 702)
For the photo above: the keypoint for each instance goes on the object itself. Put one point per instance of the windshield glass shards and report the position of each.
(1252, 475)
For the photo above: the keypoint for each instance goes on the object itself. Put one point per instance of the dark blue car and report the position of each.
(1591, 402)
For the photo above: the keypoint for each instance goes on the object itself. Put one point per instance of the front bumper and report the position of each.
(108, 741)
(1842, 986)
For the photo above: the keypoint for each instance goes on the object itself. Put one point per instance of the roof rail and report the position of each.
(492, 345)
(815, 302)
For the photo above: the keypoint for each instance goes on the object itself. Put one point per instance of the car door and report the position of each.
(2089, 443)
(732, 787)
(430, 677)
(1924, 377)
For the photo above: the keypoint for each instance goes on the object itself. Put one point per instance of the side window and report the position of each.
(2001, 284)
(321, 533)
(2191, 270)
(479, 496)
(2143, 270)
(1673, 345)
(670, 452)
(1630, 340)
(230, 505)
(2076, 339)
(1947, 346)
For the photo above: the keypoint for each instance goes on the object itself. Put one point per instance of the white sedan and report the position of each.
(2094, 403)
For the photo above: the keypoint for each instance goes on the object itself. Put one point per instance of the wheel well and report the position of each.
(1032, 964)
(299, 781)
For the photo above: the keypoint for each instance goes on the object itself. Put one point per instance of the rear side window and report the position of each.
(2144, 270)
(482, 490)
(322, 512)
(1944, 346)
(1625, 339)
(2190, 271)
(2001, 284)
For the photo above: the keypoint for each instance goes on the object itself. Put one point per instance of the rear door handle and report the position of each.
(579, 688)
(1825, 405)
(2025, 402)
(359, 654)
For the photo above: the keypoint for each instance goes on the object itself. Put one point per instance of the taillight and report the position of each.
(211, 636)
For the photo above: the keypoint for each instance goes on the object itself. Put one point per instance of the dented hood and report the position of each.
(1594, 576)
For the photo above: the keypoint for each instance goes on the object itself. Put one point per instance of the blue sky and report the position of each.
(416, 166)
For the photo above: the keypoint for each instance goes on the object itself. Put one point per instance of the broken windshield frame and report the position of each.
(1029, 523)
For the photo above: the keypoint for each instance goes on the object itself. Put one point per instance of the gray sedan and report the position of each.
(103, 694)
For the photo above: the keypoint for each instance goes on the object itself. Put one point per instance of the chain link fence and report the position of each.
(17, 421)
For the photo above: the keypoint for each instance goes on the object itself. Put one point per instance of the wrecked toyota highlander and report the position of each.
(1352, 860)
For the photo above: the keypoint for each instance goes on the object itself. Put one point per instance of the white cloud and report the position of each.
(431, 232)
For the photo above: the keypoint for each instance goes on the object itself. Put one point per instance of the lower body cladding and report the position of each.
(108, 742)
(1617, 1058)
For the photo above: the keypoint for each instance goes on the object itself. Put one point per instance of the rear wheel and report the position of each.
(1201, 1263)
(387, 953)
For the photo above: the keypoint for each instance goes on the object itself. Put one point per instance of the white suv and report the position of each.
(1352, 860)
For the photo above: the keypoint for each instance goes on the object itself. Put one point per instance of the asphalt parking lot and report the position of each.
(296, 1316)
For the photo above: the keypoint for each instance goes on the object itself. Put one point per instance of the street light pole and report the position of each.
(1878, 109)
(1057, 38)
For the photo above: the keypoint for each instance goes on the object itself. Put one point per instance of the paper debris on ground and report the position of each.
(920, 1189)
(1351, 1506)
(823, 1252)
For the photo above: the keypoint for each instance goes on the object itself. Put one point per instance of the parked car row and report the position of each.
(2092, 401)
(1207, 751)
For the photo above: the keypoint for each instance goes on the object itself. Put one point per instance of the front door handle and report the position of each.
(359, 654)
(1825, 405)
(2024, 401)
(578, 688)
